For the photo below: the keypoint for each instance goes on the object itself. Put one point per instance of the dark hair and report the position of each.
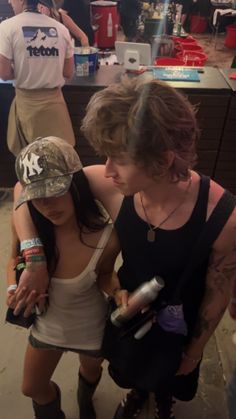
(89, 215)
(33, 3)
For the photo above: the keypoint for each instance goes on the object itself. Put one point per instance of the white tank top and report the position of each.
(75, 317)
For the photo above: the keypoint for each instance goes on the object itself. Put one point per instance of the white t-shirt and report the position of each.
(37, 46)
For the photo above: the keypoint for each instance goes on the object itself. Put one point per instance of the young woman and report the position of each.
(48, 7)
(80, 250)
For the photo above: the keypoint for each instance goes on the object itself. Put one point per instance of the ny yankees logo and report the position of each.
(30, 166)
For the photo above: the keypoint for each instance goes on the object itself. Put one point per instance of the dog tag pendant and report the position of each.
(151, 235)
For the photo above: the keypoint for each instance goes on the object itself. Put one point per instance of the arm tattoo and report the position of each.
(221, 271)
(204, 325)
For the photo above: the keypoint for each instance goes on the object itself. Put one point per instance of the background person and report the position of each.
(79, 11)
(159, 205)
(80, 250)
(129, 13)
(48, 8)
(36, 52)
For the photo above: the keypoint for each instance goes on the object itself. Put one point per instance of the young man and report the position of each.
(159, 206)
(36, 52)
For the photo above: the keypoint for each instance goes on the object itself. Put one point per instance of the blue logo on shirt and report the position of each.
(41, 41)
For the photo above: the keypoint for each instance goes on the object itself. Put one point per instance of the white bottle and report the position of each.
(143, 295)
(109, 26)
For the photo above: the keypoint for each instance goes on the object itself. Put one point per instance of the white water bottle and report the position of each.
(109, 26)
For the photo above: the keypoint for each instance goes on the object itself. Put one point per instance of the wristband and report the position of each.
(233, 301)
(35, 258)
(27, 244)
(20, 263)
(12, 287)
(20, 266)
(189, 358)
(36, 250)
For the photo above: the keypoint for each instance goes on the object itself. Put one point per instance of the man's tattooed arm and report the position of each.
(221, 273)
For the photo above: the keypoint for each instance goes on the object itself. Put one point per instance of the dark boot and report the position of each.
(50, 410)
(164, 407)
(84, 396)
(131, 406)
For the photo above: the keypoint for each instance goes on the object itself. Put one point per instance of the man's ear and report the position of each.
(169, 157)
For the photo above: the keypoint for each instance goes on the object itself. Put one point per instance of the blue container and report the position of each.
(85, 59)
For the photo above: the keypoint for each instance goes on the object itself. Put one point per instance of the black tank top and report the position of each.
(167, 256)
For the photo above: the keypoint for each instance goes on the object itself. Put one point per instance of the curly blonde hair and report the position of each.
(145, 118)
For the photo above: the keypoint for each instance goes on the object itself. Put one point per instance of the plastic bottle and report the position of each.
(179, 28)
(141, 297)
(109, 26)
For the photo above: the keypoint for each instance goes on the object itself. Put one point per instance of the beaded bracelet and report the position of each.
(27, 244)
(233, 301)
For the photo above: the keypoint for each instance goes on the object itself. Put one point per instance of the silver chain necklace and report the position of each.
(151, 234)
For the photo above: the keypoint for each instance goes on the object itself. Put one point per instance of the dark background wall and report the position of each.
(5, 10)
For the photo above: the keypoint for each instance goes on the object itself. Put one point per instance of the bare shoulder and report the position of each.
(226, 241)
(103, 189)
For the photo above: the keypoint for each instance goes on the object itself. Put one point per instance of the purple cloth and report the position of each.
(171, 319)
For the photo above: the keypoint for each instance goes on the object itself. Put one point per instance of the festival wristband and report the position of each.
(35, 258)
(233, 301)
(27, 244)
(19, 266)
(36, 250)
(12, 287)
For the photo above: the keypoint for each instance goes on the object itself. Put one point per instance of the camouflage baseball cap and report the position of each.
(45, 167)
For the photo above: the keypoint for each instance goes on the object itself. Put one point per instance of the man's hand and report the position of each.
(32, 288)
(188, 364)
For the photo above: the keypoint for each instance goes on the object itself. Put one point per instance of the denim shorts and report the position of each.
(37, 344)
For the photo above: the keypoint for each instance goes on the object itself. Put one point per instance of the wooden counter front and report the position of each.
(225, 171)
(211, 95)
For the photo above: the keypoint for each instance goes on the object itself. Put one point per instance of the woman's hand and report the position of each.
(11, 299)
(32, 288)
(121, 297)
